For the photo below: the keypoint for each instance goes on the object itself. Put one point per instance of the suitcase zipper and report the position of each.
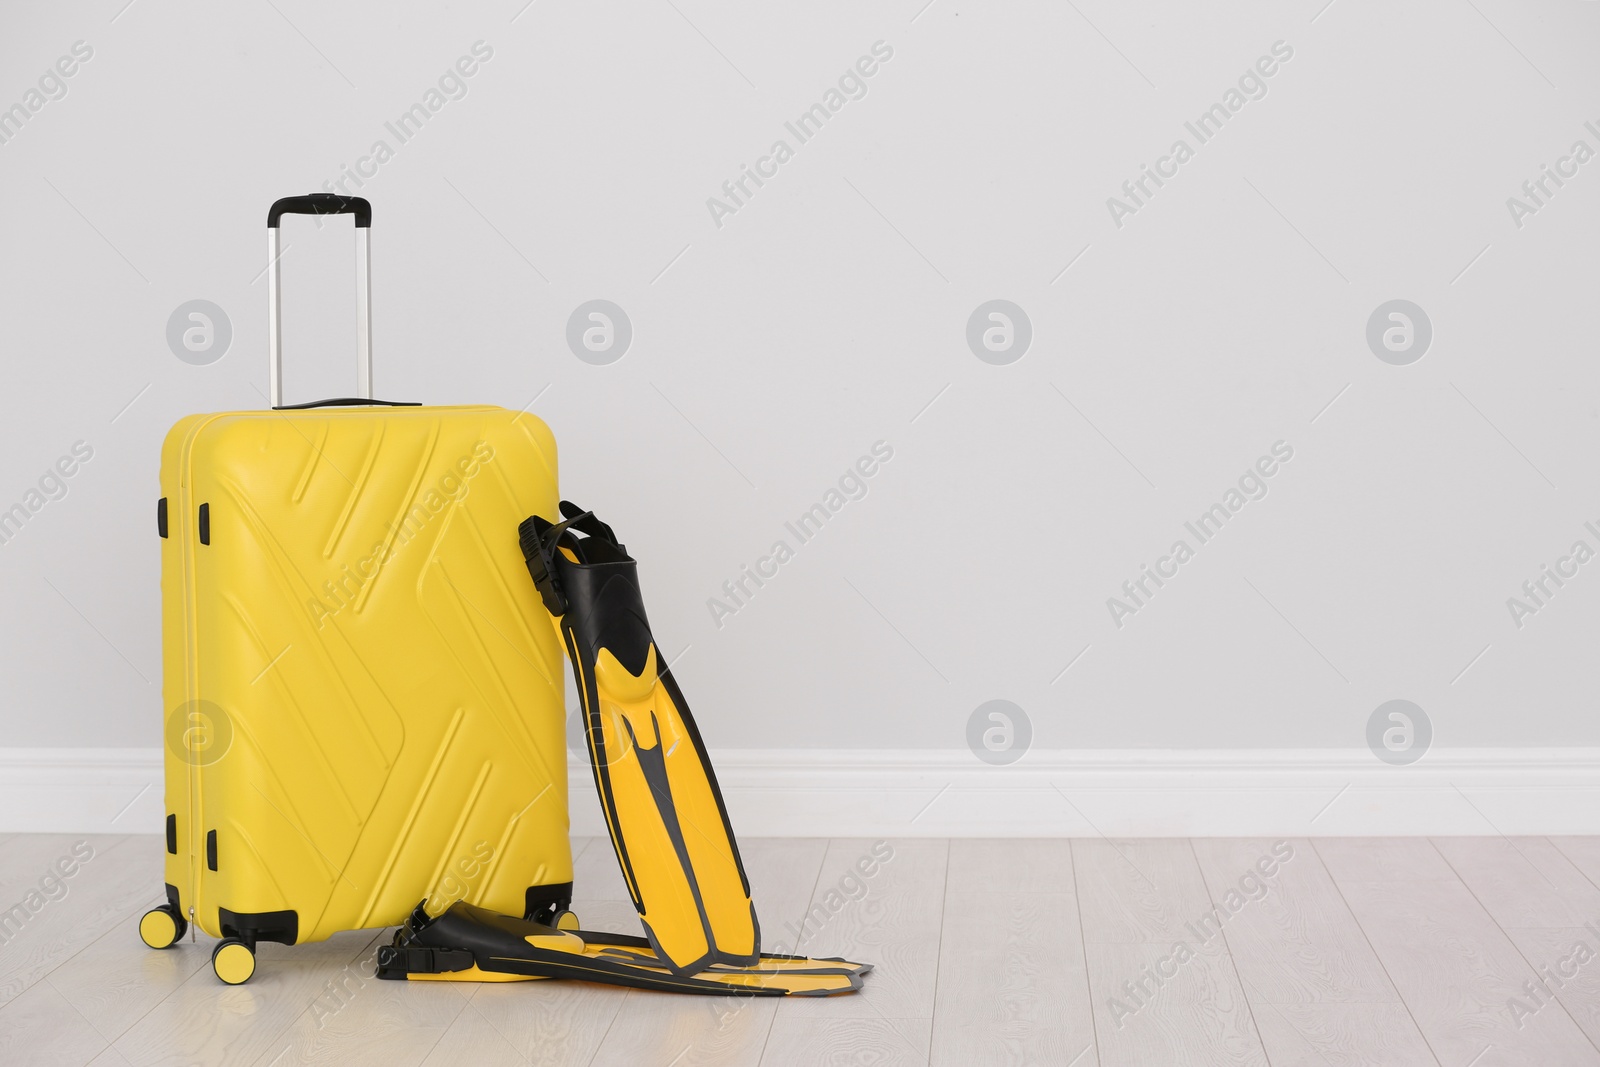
(188, 536)
(190, 661)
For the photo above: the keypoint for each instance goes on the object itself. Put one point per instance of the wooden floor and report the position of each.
(1391, 952)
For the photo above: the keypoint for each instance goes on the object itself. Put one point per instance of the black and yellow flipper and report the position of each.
(662, 806)
(469, 944)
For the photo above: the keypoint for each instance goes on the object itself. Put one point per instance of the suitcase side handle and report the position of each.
(320, 204)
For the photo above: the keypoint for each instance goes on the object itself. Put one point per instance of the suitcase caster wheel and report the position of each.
(162, 927)
(234, 961)
(565, 920)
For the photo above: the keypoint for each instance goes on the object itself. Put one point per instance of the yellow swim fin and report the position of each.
(470, 944)
(662, 806)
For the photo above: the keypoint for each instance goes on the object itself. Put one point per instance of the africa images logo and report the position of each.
(1252, 85)
(852, 85)
(199, 732)
(351, 585)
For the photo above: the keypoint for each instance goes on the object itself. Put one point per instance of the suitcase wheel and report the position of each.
(162, 927)
(565, 920)
(234, 961)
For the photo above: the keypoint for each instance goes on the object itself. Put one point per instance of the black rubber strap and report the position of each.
(397, 961)
(320, 204)
(349, 402)
(585, 522)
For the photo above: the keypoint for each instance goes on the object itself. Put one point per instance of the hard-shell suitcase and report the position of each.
(364, 695)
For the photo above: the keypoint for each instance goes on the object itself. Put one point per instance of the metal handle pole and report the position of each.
(364, 312)
(274, 322)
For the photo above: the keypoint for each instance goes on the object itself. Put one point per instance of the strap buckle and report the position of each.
(397, 961)
(541, 567)
(541, 540)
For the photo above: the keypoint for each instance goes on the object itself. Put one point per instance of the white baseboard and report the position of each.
(81, 790)
(932, 793)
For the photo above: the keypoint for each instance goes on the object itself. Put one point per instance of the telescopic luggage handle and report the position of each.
(321, 204)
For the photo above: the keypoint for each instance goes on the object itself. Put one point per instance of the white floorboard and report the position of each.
(1456, 969)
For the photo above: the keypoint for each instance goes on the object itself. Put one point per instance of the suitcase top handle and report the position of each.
(321, 204)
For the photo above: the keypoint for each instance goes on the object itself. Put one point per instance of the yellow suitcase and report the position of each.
(364, 693)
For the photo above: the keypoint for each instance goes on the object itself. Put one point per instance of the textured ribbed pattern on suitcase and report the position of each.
(392, 683)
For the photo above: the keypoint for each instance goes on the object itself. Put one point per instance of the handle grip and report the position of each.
(320, 204)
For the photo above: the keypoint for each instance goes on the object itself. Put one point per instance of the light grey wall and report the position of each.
(830, 312)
